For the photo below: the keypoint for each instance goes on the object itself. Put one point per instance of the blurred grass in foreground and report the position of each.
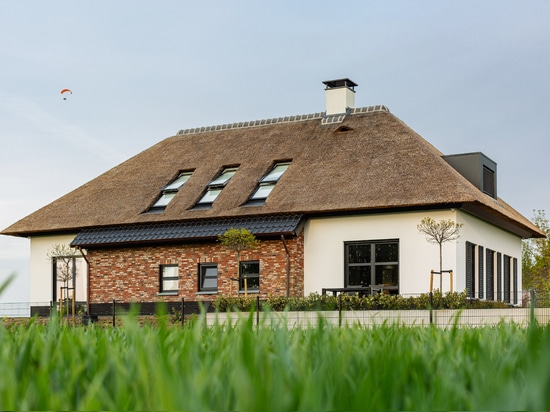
(194, 368)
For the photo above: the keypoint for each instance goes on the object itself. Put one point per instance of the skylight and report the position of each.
(215, 187)
(169, 191)
(267, 183)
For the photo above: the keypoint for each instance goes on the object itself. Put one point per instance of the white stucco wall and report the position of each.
(324, 247)
(41, 269)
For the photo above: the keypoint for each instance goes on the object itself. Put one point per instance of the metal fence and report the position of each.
(532, 307)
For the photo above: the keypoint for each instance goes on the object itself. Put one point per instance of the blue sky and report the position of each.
(466, 75)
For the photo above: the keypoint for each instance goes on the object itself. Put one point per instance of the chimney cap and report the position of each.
(340, 83)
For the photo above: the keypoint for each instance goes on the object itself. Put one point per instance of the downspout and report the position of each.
(287, 266)
(87, 279)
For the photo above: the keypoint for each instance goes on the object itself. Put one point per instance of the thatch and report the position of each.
(371, 161)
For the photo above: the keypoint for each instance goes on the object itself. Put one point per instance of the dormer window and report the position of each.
(489, 181)
(215, 187)
(267, 183)
(168, 192)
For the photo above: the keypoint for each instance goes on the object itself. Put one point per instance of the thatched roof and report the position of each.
(364, 162)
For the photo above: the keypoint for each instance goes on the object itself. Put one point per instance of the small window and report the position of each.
(168, 278)
(215, 187)
(249, 279)
(208, 278)
(168, 192)
(267, 183)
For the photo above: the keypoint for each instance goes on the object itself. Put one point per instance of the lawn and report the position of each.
(247, 368)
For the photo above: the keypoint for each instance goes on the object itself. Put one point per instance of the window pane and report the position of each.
(252, 282)
(358, 253)
(169, 285)
(164, 200)
(169, 271)
(359, 276)
(263, 191)
(387, 275)
(386, 252)
(250, 268)
(176, 184)
(223, 178)
(275, 173)
(209, 278)
(210, 196)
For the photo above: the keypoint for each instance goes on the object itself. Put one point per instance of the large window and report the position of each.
(267, 183)
(208, 277)
(250, 270)
(168, 279)
(370, 263)
(215, 187)
(168, 192)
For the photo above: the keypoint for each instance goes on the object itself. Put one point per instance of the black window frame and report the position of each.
(163, 277)
(268, 181)
(471, 269)
(215, 185)
(373, 264)
(255, 276)
(202, 277)
(169, 190)
(489, 181)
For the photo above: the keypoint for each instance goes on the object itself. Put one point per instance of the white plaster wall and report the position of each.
(484, 234)
(324, 248)
(41, 267)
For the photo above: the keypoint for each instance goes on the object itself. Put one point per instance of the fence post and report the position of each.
(431, 308)
(257, 310)
(532, 304)
(114, 313)
(182, 310)
(340, 309)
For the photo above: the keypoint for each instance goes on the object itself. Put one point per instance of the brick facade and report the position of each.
(133, 274)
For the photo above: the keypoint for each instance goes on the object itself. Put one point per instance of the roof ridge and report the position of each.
(283, 119)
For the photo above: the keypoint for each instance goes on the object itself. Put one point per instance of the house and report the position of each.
(334, 197)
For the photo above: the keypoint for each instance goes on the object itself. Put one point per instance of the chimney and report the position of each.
(339, 96)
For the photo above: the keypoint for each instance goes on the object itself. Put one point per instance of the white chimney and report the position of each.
(339, 96)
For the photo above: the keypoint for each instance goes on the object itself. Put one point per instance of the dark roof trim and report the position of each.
(285, 119)
(184, 231)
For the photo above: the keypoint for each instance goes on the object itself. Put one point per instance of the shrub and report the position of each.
(317, 302)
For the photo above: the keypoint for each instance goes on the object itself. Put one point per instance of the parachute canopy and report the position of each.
(66, 91)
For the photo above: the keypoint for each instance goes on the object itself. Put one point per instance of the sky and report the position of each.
(468, 76)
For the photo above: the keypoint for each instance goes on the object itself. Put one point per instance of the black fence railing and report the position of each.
(184, 308)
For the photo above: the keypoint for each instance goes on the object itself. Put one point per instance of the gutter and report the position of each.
(287, 266)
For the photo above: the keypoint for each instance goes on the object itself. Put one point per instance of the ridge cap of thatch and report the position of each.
(285, 119)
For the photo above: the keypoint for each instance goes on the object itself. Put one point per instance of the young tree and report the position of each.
(63, 256)
(238, 240)
(439, 233)
(536, 258)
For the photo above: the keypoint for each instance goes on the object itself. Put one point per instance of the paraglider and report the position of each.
(65, 91)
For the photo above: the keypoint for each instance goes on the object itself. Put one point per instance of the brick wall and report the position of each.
(133, 274)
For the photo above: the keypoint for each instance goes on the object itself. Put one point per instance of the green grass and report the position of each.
(195, 368)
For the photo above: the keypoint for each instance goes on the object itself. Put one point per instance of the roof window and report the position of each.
(168, 193)
(267, 183)
(215, 187)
